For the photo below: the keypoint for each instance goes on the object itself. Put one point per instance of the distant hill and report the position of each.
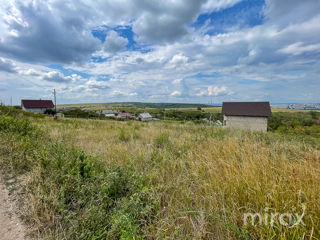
(136, 104)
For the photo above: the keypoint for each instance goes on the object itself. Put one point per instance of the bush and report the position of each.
(22, 127)
(50, 111)
(86, 197)
(294, 122)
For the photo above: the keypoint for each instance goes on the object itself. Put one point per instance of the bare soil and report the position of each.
(11, 227)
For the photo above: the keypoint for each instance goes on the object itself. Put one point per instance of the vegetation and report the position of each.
(301, 123)
(74, 195)
(93, 179)
(182, 114)
(135, 105)
(50, 111)
(295, 122)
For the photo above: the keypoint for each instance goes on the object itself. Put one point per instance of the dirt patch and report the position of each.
(11, 227)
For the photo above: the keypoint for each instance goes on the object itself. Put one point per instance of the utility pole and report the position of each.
(55, 100)
(11, 101)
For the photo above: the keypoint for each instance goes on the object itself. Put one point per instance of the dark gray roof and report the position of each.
(253, 109)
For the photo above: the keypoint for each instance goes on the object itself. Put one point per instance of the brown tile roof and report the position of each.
(253, 109)
(37, 103)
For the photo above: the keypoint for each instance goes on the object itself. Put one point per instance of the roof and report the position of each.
(107, 111)
(145, 115)
(252, 109)
(37, 103)
(124, 115)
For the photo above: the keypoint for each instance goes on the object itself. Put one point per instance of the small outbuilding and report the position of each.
(246, 115)
(58, 115)
(109, 115)
(36, 106)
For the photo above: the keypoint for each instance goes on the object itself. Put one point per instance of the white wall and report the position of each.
(251, 123)
(34, 110)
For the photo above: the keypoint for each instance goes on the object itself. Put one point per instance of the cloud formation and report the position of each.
(7, 66)
(54, 76)
(162, 51)
(114, 42)
(41, 32)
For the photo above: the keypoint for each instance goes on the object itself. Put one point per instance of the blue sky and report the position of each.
(160, 51)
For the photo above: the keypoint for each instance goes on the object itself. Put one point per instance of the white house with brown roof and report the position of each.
(36, 106)
(246, 115)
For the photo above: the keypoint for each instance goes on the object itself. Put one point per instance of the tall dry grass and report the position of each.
(206, 177)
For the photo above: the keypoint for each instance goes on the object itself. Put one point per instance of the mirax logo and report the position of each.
(284, 219)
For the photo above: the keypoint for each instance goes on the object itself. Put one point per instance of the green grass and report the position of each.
(96, 179)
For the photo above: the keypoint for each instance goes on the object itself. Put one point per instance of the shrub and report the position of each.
(50, 111)
(19, 126)
(87, 198)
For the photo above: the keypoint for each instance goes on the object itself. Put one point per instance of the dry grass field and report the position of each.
(182, 181)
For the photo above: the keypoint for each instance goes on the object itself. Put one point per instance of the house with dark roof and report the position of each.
(246, 115)
(36, 106)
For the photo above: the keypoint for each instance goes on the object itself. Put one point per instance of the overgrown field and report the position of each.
(94, 179)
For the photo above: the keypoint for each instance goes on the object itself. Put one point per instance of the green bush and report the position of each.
(22, 127)
(88, 198)
(295, 122)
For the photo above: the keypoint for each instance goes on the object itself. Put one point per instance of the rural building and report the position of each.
(246, 115)
(109, 115)
(144, 117)
(58, 115)
(107, 112)
(36, 106)
(124, 115)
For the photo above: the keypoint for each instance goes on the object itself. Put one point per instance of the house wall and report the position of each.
(34, 110)
(146, 119)
(251, 123)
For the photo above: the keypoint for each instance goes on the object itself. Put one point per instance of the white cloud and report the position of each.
(55, 76)
(215, 91)
(284, 13)
(30, 72)
(298, 48)
(215, 5)
(114, 42)
(175, 94)
(42, 32)
(7, 65)
(178, 59)
(93, 84)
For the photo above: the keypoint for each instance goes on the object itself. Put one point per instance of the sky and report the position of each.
(195, 51)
